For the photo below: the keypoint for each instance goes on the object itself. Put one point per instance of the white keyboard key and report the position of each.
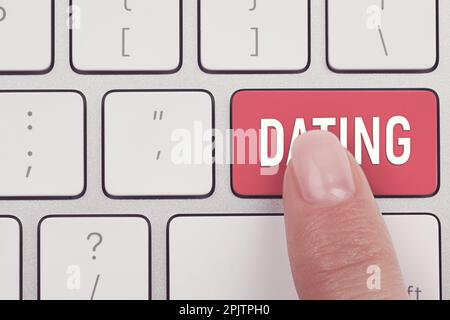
(382, 35)
(228, 258)
(94, 258)
(135, 36)
(245, 257)
(158, 144)
(417, 241)
(10, 258)
(42, 138)
(26, 29)
(254, 35)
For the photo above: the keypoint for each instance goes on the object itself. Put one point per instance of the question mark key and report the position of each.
(111, 254)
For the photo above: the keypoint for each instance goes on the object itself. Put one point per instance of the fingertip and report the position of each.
(335, 231)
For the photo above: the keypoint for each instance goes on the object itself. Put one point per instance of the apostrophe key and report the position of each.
(151, 140)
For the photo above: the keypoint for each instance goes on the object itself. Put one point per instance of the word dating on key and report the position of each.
(393, 134)
(361, 138)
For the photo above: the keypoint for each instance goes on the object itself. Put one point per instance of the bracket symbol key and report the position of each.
(124, 50)
(125, 6)
(256, 38)
(124, 31)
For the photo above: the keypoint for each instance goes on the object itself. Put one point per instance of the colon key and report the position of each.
(43, 137)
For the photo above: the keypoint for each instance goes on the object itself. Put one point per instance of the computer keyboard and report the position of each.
(143, 142)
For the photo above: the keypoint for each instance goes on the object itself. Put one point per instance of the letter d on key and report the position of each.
(2, 14)
(266, 125)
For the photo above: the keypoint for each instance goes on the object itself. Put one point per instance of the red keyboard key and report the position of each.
(394, 135)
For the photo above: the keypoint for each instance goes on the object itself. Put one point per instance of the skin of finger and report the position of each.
(330, 249)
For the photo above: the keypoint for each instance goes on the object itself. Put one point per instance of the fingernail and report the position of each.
(322, 169)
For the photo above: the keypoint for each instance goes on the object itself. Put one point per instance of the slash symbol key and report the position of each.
(94, 289)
